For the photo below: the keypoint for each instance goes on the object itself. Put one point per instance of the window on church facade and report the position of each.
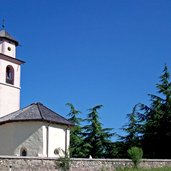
(9, 75)
(23, 152)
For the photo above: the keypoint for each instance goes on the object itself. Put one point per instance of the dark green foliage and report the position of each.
(117, 150)
(135, 153)
(133, 130)
(63, 163)
(76, 138)
(98, 138)
(157, 116)
(149, 127)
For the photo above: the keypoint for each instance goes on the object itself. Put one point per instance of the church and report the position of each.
(35, 130)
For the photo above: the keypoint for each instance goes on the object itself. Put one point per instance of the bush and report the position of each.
(135, 153)
(64, 162)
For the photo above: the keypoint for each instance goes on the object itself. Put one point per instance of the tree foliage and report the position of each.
(157, 132)
(97, 137)
(133, 128)
(149, 127)
(76, 138)
(136, 154)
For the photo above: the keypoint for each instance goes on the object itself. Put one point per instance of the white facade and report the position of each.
(27, 135)
(8, 48)
(56, 139)
(9, 93)
(9, 77)
(37, 138)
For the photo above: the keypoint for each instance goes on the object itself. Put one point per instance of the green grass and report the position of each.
(156, 169)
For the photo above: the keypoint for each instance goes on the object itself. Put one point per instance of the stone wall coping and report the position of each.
(82, 159)
(125, 160)
(28, 158)
(96, 159)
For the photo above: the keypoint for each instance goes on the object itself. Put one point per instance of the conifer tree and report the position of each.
(97, 137)
(157, 132)
(76, 138)
(133, 129)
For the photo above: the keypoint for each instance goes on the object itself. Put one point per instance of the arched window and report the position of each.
(23, 152)
(9, 75)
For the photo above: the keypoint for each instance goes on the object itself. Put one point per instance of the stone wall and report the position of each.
(112, 164)
(8, 163)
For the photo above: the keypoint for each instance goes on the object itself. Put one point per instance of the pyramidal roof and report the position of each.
(35, 112)
(4, 34)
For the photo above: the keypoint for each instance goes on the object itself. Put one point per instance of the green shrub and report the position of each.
(135, 153)
(64, 162)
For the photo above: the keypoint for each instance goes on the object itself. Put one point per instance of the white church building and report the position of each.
(34, 130)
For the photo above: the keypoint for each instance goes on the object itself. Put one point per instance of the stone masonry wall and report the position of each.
(8, 163)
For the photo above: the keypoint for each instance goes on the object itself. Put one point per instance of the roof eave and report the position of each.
(18, 61)
(12, 40)
(35, 120)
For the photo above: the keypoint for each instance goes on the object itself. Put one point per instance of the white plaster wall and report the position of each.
(45, 150)
(9, 100)
(55, 137)
(14, 136)
(40, 139)
(9, 94)
(68, 139)
(3, 65)
(0, 46)
(4, 48)
(6, 140)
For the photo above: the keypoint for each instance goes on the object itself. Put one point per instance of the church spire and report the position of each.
(9, 73)
(3, 24)
(6, 36)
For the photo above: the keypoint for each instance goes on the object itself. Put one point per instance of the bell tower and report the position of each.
(9, 74)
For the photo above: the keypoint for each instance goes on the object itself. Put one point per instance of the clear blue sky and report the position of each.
(90, 52)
